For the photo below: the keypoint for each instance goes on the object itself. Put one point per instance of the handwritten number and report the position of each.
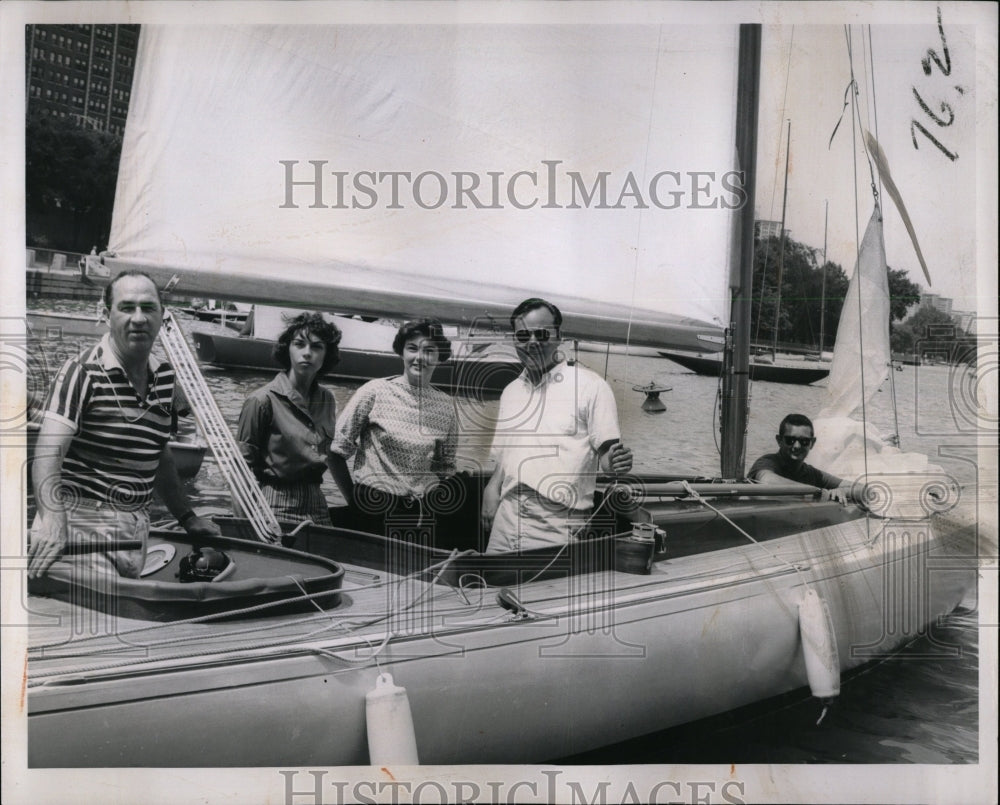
(914, 124)
(947, 116)
(944, 108)
(932, 56)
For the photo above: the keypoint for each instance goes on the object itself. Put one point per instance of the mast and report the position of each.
(781, 248)
(822, 293)
(736, 361)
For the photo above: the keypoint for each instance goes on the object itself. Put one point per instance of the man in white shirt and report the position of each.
(557, 429)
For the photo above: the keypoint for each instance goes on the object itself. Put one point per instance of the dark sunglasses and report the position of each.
(805, 441)
(542, 335)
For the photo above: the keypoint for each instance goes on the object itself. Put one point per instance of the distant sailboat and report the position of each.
(760, 371)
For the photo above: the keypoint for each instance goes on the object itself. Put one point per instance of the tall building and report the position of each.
(81, 72)
(768, 229)
(942, 303)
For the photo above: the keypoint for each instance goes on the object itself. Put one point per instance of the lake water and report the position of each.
(916, 707)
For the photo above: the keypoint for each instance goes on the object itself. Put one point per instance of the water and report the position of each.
(911, 708)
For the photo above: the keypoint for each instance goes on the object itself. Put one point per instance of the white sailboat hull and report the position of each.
(612, 656)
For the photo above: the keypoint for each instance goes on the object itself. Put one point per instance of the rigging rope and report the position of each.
(694, 494)
(857, 241)
(774, 187)
(892, 376)
(242, 483)
(638, 233)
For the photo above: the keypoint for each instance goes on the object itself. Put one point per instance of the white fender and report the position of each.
(391, 739)
(819, 646)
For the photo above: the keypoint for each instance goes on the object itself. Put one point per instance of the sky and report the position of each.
(807, 71)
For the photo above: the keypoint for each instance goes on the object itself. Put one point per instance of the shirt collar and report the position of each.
(105, 354)
(546, 378)
(283, 386)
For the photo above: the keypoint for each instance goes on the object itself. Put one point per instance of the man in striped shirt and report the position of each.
(101, 448)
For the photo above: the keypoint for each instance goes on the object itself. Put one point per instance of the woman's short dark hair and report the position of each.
(428, 328)
(311, 324)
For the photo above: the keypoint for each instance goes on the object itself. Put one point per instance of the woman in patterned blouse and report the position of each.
(403, 434)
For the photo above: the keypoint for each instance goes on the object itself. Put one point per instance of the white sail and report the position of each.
(861, 355)
(901, 484)
(439, 170)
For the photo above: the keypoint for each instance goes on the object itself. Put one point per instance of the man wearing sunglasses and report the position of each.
(557, 429)
(795, 439)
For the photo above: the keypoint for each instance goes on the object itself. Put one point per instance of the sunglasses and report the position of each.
(805, 441)
(541, 335)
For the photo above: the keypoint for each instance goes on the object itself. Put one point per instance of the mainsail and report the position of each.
(440, 170)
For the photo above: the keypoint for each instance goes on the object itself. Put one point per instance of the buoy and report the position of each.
(391, 739)
(652, 404)
(819, 646)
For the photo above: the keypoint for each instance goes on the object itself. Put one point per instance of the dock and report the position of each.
(53, 274)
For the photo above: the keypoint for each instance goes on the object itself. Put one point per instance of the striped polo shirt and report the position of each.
(115, 452)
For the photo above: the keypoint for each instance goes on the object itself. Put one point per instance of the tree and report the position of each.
(931, 333)
(803, 300)
(903, 294)
(70, 179)
(802, 296)
(926, 332)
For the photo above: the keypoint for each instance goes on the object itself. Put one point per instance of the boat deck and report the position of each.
(68, 640)
(701, 634)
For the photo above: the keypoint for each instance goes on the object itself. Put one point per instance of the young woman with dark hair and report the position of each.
(286, 427)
